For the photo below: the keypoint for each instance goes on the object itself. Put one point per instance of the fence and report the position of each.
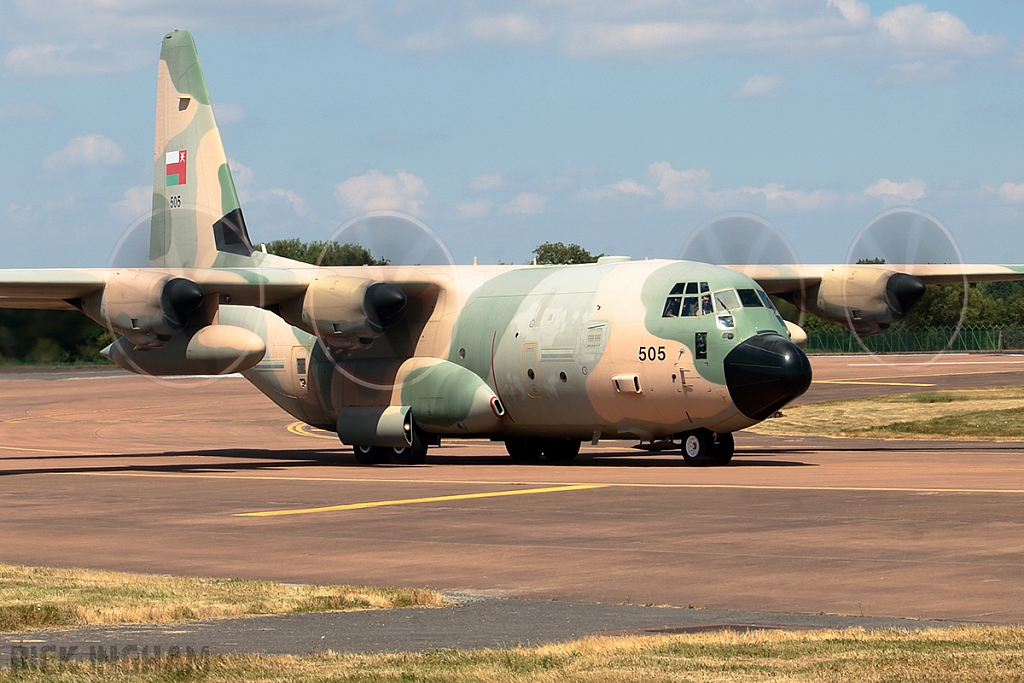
(919, 340)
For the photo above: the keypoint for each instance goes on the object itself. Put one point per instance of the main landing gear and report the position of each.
(554, 450)
(416, 454)
(703, 446)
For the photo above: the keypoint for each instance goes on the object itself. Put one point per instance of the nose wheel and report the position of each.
(703, 446)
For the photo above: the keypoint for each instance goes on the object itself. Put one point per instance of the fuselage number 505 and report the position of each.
(651, 353)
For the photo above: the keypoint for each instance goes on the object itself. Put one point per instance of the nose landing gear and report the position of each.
(703, 446)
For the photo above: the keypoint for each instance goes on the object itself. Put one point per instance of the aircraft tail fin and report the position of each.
(197, 220)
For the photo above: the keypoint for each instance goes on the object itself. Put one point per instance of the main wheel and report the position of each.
(697, 446)
(370, 455)
(416, 454)
(524, 450)
(723, 448)
(561, 450)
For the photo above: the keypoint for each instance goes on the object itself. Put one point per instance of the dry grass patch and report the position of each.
(984, 414)
(960, 654)
(40, 597)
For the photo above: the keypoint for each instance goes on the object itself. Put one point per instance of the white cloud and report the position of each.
(228, 113)
(692, 188)
(890, 191)
(1012, 192)
(474, 209)
(526, 203)
(632, 187)
(242, 177)
(295, 201)
(86, 150)
(136, 202)
(46, 35)
(912, 28)
(375, 191)
(680, 188)
(761, 87)
(509, 28)
(486, 182)
(855, 12)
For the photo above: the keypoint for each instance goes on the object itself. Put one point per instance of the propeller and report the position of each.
(406, 244)
(742, 239)
(180, 297)
(907, 236)
(738, 239)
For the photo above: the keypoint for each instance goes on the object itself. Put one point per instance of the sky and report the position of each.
(625, 126)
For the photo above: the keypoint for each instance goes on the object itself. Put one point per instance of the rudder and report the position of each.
(197, 220)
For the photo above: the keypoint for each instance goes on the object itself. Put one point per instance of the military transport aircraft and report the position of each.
(393, 358)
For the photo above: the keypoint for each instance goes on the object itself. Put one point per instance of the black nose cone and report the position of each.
(903, 292)
(383, 305)
(764, 373)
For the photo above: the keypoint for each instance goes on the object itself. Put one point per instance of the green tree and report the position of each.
(50, 337)
(324, 253)
(559, 253)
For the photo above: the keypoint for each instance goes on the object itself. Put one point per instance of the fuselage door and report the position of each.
(298, 370)
(531, 371)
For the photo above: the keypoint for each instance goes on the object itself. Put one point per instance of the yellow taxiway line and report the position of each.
(881, 384)
(301, 428)
(414, 501)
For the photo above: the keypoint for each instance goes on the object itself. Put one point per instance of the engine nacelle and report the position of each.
(347, 313)
(210, 350)
(146, 307)
(866, 298)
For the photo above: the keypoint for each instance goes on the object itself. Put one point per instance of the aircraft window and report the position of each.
(672, 307)
(749, 298)
(691, 287)
(726, 300)
(726, 322)
(690, 306)
(704, 287)
(678, 289)
(705, 304)
(765, 300)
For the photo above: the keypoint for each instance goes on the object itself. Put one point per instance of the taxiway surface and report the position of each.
(122, 472)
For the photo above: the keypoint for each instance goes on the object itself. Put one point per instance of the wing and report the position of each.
(67, 288)
(867, 297)
(783, 279)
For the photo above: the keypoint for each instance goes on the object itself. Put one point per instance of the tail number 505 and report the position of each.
(651, 353)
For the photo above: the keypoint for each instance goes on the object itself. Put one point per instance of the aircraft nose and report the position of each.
(764, 373)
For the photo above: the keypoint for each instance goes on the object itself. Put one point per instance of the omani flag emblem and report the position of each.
(176, 168)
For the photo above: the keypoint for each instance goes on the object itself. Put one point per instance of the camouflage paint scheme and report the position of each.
(574, 352)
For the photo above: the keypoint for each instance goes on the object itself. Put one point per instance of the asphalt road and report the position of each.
(123, 472)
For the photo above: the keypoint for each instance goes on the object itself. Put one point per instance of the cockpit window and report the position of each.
(683, 300)
(765, 300)
(749, 298)
(726, 300)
